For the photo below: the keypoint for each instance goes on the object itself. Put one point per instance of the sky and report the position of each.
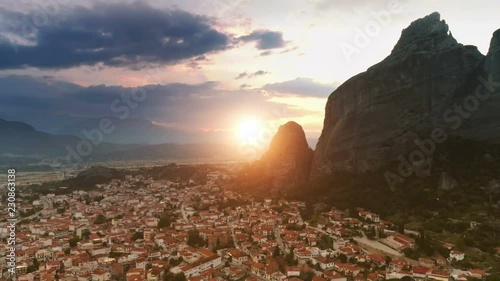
(216, 64)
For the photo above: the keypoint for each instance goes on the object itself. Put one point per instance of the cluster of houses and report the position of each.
(139, 229)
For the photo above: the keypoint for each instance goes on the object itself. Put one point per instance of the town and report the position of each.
(174, 231)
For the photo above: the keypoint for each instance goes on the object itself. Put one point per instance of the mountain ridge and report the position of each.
(377, 115)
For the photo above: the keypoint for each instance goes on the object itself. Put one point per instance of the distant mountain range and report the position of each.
(20, 140)
(138, 131)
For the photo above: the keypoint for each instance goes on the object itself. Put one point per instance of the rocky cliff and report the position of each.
(289, 157)
(428, 81)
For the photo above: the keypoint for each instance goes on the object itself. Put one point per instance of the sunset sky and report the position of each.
(220, 63)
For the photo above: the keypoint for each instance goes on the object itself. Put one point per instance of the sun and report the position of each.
(248, 130)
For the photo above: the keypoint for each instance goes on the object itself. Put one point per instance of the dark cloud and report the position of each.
(251, 75)
(241, 75)
(243, 86)
(265, 39)
(300, 87)
(259, 73)
(48, 102)
(130, 35)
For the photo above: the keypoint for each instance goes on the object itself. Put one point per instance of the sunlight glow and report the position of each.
(249, 130)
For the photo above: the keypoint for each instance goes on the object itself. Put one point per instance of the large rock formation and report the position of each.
(289, 157)
(377, 115)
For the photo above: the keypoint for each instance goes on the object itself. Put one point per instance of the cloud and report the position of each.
(49, 103)
(300, 87)
(251, 75)
(122, 35)
(241, 75)
(259, 73)
(265, 39)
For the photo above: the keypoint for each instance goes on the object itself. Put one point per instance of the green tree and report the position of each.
(401, 227)
(194, 239)
(276, 252)
(100, 219)
(138, 235)
(169, 276)
(306, 276)
(493, 277)
(165, 220)
(73, 242)
(343, 258)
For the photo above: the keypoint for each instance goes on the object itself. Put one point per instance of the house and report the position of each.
(460, 277)
(292, 271)
(196, 268)
(85, 276)
(135, 273)
(440, 260)
(377, 259)
(324, 262)
(336, 277)
(302, 255)
(258, 269)
(456, 256)
(397, 265)
(236, 273)
(155, 274)
(419, 272)
(477, 273)
(101, 275)
(318, 278)
(238, 257)
(400, 242)
(438, 275)
(425, 262)
(369, 216)
(348, 269)
(397, 275)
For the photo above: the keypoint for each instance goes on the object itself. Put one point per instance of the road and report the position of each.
(46, 204)
(277, 234)
(236, 243)
(183, 212)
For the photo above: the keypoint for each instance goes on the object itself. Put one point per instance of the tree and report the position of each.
(169, 276)
(401, 227)
(290, 259)
(306, 276)
(138, 235)
(343, 258)
(371, 233)
(194, 239)
(493, 277)
(388, 260)
(73, 242)
(276, 252)
(100, 219)
(85, 234)
(165, 220)
(381, 233)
